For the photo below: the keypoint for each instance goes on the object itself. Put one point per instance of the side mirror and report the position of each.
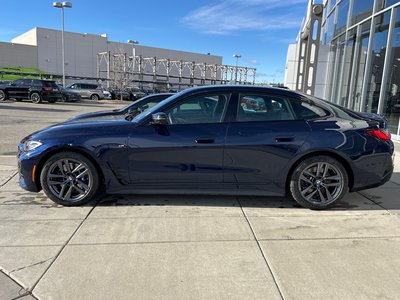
(159, 119)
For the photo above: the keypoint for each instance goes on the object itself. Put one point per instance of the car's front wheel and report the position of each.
(318, 182)
(69, 179)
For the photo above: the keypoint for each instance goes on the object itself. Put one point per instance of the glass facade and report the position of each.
(362, 72)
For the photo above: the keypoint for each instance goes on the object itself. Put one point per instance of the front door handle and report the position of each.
(284, 139)
(204, 141)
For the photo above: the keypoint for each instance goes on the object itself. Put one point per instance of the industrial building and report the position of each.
(92, 56)
(348, 52)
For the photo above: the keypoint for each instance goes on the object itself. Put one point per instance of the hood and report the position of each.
(96, 115)
(71, 130)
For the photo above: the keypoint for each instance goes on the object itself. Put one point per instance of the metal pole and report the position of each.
(62, 46)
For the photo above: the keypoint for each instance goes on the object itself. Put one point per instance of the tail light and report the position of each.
(47, 88)
(380, 134)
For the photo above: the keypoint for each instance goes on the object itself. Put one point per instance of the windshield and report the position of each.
(143, 115)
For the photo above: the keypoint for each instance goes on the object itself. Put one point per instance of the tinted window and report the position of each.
(207, 108)
(304, 110)
(19, 82)
(263, 107)
(28, 81)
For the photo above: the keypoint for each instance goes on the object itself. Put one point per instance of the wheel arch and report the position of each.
(332, 154)
(52, 152)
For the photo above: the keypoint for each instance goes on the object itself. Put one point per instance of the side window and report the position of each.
(28, 81)
(305, 110)
(208, 108)
(19, 82)
(263, 107)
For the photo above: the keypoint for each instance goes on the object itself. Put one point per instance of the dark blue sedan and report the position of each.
(237, 140)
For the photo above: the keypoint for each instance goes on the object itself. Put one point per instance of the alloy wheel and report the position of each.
(321, 183)
(69, 179)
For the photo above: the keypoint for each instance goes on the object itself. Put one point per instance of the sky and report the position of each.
(258, 30)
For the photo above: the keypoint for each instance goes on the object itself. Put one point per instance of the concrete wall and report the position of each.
(27, 38)
(291, 66)
(16, 55)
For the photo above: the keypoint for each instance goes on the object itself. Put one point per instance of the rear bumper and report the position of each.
(372, 170)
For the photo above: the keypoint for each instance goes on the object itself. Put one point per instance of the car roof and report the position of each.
(245, 88)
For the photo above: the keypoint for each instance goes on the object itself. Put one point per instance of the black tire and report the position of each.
(63, 98)
(35, 97)
(69, 187)
(94, 97)
(318, 182)
(3, 95)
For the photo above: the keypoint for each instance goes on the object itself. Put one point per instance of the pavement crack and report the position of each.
(31, 265)
(261, 250)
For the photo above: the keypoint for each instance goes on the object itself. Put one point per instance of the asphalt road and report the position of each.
(19, 119)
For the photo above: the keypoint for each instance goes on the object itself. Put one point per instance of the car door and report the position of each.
(15, 88)
(260, 143)
(188, 152)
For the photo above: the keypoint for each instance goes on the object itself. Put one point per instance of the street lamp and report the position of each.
(62, 5)
(237, 56)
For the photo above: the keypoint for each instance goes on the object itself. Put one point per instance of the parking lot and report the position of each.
(188, 247)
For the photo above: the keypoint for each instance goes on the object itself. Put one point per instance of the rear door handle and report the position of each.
(204, 141)
(284, 139)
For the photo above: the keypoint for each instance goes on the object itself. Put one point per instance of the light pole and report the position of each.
(133, 42)
(62, 5)
(237, 56)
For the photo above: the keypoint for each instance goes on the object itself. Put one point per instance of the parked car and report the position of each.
(34, 89)
(120, 95)
(88, 90)
(202, 141)
(130, 110)
(68, 95)
(107, 95)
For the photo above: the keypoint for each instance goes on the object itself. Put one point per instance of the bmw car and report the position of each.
(131, 110)
(203, 141)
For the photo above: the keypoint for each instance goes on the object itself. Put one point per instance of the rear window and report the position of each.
(305, 110)
(50, 83)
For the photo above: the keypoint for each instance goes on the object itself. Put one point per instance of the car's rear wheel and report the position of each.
(63, 98)
(35, 97)
(94, 97)
(69, 179)
(318, 182)
(3, 96)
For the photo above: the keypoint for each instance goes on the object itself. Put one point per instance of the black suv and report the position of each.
(34, 89)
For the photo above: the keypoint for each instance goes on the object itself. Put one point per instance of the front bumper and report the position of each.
(27, 170)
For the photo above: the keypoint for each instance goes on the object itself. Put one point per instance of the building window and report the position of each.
(382, 4)
(343, 10)
(391, 104)
(361, 9)
(347, 67)
(361, 62)
(331, 27)
(377, 61)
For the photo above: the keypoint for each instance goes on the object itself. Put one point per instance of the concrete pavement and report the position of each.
(174, 247)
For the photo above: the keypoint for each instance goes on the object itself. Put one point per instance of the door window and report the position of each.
(308, 111)
(262, 107)
(19, 82)
(208, 108)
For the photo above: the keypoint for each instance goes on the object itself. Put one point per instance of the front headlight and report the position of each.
(31, 145)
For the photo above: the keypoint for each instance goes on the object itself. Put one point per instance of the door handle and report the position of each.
(284, 139)
(204, 141)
